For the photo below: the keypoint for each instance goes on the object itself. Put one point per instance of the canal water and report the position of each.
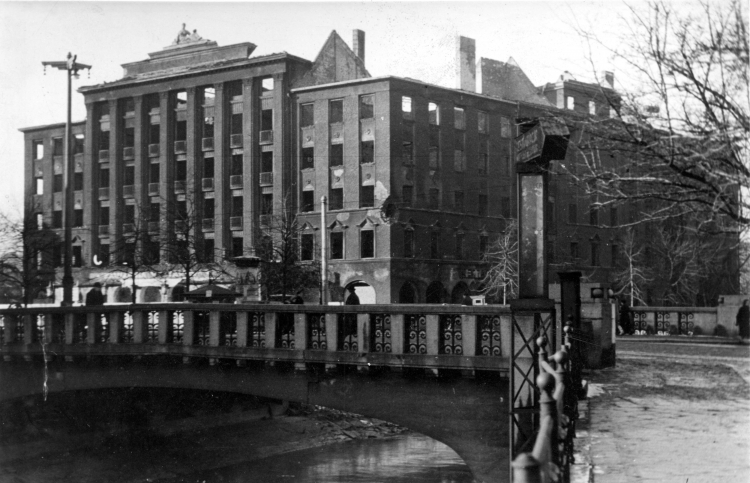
(412, 458)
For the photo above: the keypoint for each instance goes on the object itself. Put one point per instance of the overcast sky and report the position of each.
(405, 39)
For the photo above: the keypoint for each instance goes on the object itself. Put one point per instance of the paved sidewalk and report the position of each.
(681, 419)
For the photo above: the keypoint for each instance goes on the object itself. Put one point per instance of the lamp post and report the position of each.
(72, 67)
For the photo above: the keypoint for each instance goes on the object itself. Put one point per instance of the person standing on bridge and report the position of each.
(625, 321)
(743, 321)
(352, 299)
(95, 296)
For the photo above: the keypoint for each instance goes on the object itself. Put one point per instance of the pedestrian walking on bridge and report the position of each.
(743, 321)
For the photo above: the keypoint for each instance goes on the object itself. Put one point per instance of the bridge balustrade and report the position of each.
(452, 337)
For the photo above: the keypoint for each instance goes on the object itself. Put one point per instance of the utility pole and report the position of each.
(72, 67)
(323, 253)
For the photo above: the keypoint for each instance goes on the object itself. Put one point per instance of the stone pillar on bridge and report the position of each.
(332, 337)
(139, 320)
(115, 326)
(163, 327)
(397, 333)
(300, 338)
(271, 322)
(242, 329)
(433, 340)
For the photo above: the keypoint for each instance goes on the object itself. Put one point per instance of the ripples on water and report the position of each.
(412, 458)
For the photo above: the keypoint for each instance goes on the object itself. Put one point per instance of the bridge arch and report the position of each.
(468, 415)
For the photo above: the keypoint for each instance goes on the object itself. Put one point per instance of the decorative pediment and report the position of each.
(368, 221)
(337, 225)
(306, 226)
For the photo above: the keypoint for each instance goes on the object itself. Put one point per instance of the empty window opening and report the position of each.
(570, 102)
(406, 108)
(237, 165)
(336, 155)
(38, 149)
(434, 113)
(336, 111)
(459, 118)
(336, 201)
(266, 162)
(367, 244)
(39, 186)
(266, 120)
(307, 247)
(409, 243)
(308, 201)
(367, 196)
(266, 207)
(307, 115)
(367, 152)
(366, 107)
(208, 167)
(337, 245)
(267, 85)
(308, 158)
(435, 244)
(482, 122)
(77, 181)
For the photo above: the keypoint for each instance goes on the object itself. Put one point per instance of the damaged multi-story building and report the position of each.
(418, 178)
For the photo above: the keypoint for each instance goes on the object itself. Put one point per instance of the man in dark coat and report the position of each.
(297, 299)
(743, 320)
(95, 296)
(625, 321)
(352, 299)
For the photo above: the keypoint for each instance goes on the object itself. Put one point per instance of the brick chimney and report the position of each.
(466, 64)
(608, 78)
(358, 44)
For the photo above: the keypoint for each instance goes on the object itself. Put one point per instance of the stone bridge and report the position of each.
(439, 370)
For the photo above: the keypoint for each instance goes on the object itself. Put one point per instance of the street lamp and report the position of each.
(72, 67)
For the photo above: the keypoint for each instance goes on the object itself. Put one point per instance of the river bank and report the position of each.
(54, 444)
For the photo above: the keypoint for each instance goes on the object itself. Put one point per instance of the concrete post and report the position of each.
(332, 337)
(92, 327)
(363, 333)
(271, 322)
(242, 329)
(214, 328)
(397, 333)
(164, 326)
(433, 334)
(300, 338)
(49, 328)
(188, 327)
(69, 327)
(469, 334)
(28, 329)
(139, 326)
(115, 327)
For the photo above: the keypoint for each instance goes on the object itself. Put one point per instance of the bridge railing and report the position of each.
(552, 454)
(428, 336)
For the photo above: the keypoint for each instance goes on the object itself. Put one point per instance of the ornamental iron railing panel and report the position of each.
(416, 333)
(317, 332)
(127, 333)
(177, 321)
(347, 333)
(152, 327)
(381, 333)
(285, 331)
(228, 329)
(640, 322)
(202, 327)
(451, 338)
(257, 329)
(686, 324)
(80, 329)
(488, 335)
(662, 323)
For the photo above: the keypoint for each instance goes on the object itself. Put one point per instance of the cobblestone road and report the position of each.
(671, 412)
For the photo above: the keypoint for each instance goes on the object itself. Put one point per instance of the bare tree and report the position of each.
(502, 256)
(26, 260)
(632, 279)
(185, 250)
(282, 271)
(137, 250)
(680, 133)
